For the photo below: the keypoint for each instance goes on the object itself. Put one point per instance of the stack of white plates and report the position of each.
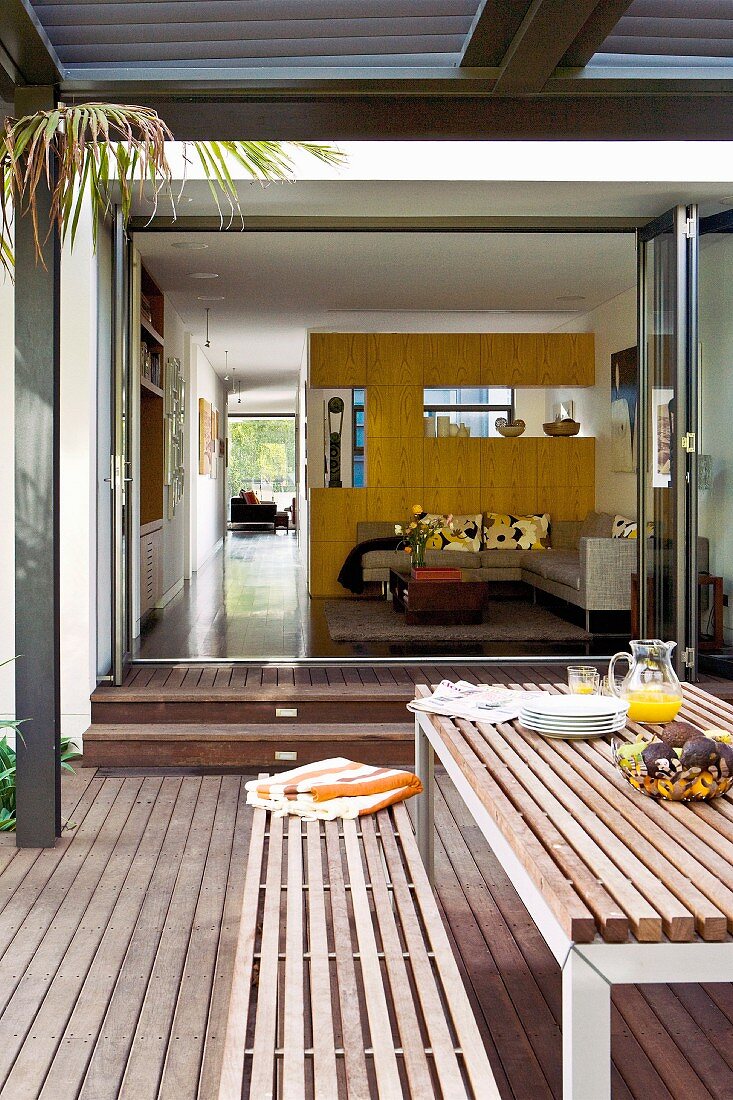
(573, 715)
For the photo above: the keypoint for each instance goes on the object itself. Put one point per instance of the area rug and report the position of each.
(515, 621)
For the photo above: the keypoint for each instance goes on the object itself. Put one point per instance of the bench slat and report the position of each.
(464, 1021)
(416, 1062)
(263, 1059)
(351, 1032)
(324, 1044)
(230, 1087)
(385, 1061)
(293, 1039)
(439, 1034)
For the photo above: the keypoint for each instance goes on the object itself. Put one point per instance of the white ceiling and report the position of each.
(276, 286)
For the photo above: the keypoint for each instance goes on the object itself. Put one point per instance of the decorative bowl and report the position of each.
(680, 784)
(561, 427)
(509, 428)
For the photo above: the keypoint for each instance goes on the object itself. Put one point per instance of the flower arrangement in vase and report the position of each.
(419, 532)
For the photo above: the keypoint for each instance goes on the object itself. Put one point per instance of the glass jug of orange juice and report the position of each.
(650, 687)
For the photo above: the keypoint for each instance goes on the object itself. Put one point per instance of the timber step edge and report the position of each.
(244, 746)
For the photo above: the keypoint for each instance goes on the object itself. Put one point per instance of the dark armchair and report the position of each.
(242, 512)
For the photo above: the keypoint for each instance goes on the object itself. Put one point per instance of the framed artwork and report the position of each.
(624, 409)
(205, 440)
(174, 408)
(214, 463)
(662, 431)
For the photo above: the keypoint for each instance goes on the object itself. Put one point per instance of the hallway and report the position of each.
(249, 600)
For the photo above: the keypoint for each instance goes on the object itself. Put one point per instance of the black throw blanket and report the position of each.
(352, 574)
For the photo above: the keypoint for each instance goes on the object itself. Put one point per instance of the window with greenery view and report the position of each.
(262, 456)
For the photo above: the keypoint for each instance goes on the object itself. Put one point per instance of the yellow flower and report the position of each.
(408, 549)
(398, 528)
(417, 509)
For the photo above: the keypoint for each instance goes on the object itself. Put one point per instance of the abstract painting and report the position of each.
(205, 439)
(624, 409)
(662, 431)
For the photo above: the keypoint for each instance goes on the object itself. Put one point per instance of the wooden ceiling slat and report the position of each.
(243, 49)
(254, 32)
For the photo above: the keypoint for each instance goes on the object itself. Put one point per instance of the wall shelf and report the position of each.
(147, 385)
(151, 331)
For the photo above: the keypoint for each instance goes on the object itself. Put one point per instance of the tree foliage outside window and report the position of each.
(262, 452)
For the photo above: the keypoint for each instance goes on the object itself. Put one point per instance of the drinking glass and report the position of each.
(583, 680)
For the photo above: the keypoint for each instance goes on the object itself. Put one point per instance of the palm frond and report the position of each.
(98, 147)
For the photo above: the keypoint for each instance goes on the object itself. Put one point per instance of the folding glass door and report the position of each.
(667, 443)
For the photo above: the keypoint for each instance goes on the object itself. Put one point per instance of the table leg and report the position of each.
(425, 768)
(586, 1031)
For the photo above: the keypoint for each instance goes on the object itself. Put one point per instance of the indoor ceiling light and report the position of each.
(190, 246)
(570, 298)
(209, 297)
(208, 341)
(226, 365)
(202, 275)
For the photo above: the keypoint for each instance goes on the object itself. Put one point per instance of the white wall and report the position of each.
(174, 530)
(207, 512)
(78, 480)
(716, 399)
(614, 325)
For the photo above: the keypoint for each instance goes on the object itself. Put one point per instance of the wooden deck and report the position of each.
(239, 716)
(116, 954)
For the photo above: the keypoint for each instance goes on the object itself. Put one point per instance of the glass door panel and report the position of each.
(667, 423)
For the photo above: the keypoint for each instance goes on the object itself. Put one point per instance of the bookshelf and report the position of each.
(150, 308)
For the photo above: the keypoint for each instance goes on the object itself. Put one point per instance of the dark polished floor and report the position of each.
(250, 600)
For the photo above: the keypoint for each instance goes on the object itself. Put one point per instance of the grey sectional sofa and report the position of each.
(585, 566)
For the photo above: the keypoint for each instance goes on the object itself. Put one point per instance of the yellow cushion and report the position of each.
(505, 532)
(624, 528)
(464, 533)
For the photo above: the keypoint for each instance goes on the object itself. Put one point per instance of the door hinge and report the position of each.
(688, 657)
(689, 442)
(690, 228)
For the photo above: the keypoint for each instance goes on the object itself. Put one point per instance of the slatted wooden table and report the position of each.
(624, 889)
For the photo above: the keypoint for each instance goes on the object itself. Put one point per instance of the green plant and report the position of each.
(7, 773)
(101, 150)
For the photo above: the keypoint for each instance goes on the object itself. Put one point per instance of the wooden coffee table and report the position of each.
(437, 603)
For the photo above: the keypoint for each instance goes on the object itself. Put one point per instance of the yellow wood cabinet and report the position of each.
(393, 504)
(452, 463)
(337, 360)
(452, 359)
(509, 463)
(326, 559)
(394, 462)
(394, 412)
(537, 359)
(394, 359)
(563, 462)
(334, 514)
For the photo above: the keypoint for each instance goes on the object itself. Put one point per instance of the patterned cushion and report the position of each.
(624, 528)
(505, 532)
(464, 535)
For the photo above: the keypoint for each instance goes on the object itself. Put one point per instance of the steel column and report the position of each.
(37, 385)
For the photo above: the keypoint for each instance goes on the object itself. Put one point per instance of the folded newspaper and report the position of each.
(474, 702)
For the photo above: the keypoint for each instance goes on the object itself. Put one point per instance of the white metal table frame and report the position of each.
(589, 969)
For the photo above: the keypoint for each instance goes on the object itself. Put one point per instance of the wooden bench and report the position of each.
(345, 983)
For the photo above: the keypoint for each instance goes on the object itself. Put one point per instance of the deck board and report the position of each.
(120, 945)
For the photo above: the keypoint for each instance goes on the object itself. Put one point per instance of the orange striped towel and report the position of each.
(332, 788)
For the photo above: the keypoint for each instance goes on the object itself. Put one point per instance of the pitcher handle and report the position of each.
(611, 668)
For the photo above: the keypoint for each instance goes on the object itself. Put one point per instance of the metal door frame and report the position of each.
(683, 222)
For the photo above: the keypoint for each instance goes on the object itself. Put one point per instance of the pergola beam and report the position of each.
(26, 53)
(595, 32)
(547, 32)
(492, 31)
